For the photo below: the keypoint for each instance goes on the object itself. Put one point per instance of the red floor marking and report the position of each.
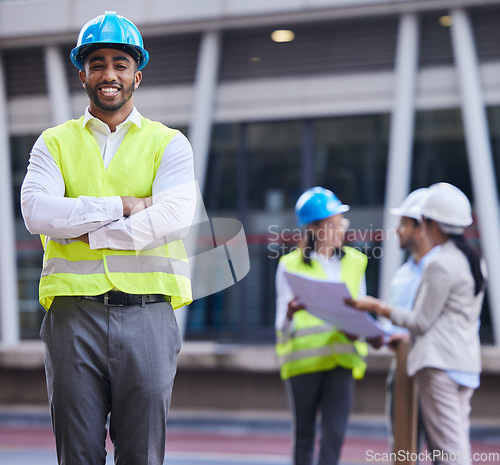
(355, 448)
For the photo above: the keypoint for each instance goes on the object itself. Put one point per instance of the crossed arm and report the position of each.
(122, 223)
(131, 205)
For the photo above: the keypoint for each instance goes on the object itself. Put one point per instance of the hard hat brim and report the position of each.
(139, 54)
(402, 212)
(341, 209)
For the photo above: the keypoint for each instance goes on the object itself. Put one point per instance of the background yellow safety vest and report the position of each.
(72, 268)
(314, 345)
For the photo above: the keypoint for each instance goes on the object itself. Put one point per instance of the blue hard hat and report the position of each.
(316, 204)
(113, 31)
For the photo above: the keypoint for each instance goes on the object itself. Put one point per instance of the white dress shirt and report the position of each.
(284, 294)
(47, 211)
(404, 287)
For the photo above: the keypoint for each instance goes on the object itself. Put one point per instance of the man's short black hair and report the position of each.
(123, 47)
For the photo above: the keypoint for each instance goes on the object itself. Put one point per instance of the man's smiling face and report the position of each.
(110, 77)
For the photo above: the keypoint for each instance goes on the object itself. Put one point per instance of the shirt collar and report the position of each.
(431, 252)
(134, 117)
(318, 256)
(424, 259)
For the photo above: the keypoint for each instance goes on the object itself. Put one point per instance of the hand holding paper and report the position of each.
(370, 304)
(326, 300)
(294, 306)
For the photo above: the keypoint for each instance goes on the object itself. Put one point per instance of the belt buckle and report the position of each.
(106, 301)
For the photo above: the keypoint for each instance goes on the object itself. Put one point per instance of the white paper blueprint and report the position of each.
(325, 299)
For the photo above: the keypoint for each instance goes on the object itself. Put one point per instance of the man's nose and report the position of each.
(109, 73)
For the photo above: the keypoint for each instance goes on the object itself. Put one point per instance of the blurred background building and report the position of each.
(371, 98)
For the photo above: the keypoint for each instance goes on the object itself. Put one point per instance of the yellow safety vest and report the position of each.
(71, 267)
(314, 345)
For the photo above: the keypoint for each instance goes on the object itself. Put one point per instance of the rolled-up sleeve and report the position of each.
(47, 211)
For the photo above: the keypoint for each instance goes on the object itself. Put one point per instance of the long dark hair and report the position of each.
(310, 245)
(474, 259)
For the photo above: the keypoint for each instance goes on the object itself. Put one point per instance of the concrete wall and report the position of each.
(264, 99)
(65, 17)
(224, 378)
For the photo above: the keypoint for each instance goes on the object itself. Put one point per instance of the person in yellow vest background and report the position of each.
(112, 195)
(318, 362)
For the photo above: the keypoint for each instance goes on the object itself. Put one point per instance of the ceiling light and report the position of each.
(283, 35)
(445, 21)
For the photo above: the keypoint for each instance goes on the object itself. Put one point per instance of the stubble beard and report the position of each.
(94, 97)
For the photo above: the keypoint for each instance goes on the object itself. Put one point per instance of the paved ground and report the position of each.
(26, 439)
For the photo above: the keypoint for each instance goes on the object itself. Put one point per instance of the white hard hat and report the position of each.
(411, 206)
(449, 207)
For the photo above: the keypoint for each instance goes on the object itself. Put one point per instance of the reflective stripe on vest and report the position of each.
(284, 338)
(71, 267)
(326, 351)
(314, 345)
(118, 264)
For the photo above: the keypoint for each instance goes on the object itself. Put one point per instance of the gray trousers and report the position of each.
(330, 393)
(102, 360)
(445, 407)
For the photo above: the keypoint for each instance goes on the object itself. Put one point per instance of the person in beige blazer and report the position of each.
(445, 352)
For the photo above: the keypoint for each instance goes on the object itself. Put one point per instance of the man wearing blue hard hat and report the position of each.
(318, 362)
(112, 195)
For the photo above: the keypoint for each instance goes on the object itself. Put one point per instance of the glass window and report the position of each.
(20, 77)
(486, 32)
(326, 47)
(244, 311)
(28, 247)
(494, 124)
(273, 152)
(20, 149)
(254, 173)
(257, 171)
(439, 152)
(351, 157)
(435, 41)
(221, 186)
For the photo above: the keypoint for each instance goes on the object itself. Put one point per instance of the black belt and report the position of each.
(121, 299)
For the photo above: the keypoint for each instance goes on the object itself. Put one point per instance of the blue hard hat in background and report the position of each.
(316, 204)
(113, 31)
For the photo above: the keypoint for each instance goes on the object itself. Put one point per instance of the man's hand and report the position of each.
(133, 205)
(83, 238)
(396, 338)
(376, 342)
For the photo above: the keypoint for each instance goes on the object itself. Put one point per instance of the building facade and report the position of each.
(370, 98)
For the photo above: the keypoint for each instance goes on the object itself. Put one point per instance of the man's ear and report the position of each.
(138, 79)
(81, 75)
